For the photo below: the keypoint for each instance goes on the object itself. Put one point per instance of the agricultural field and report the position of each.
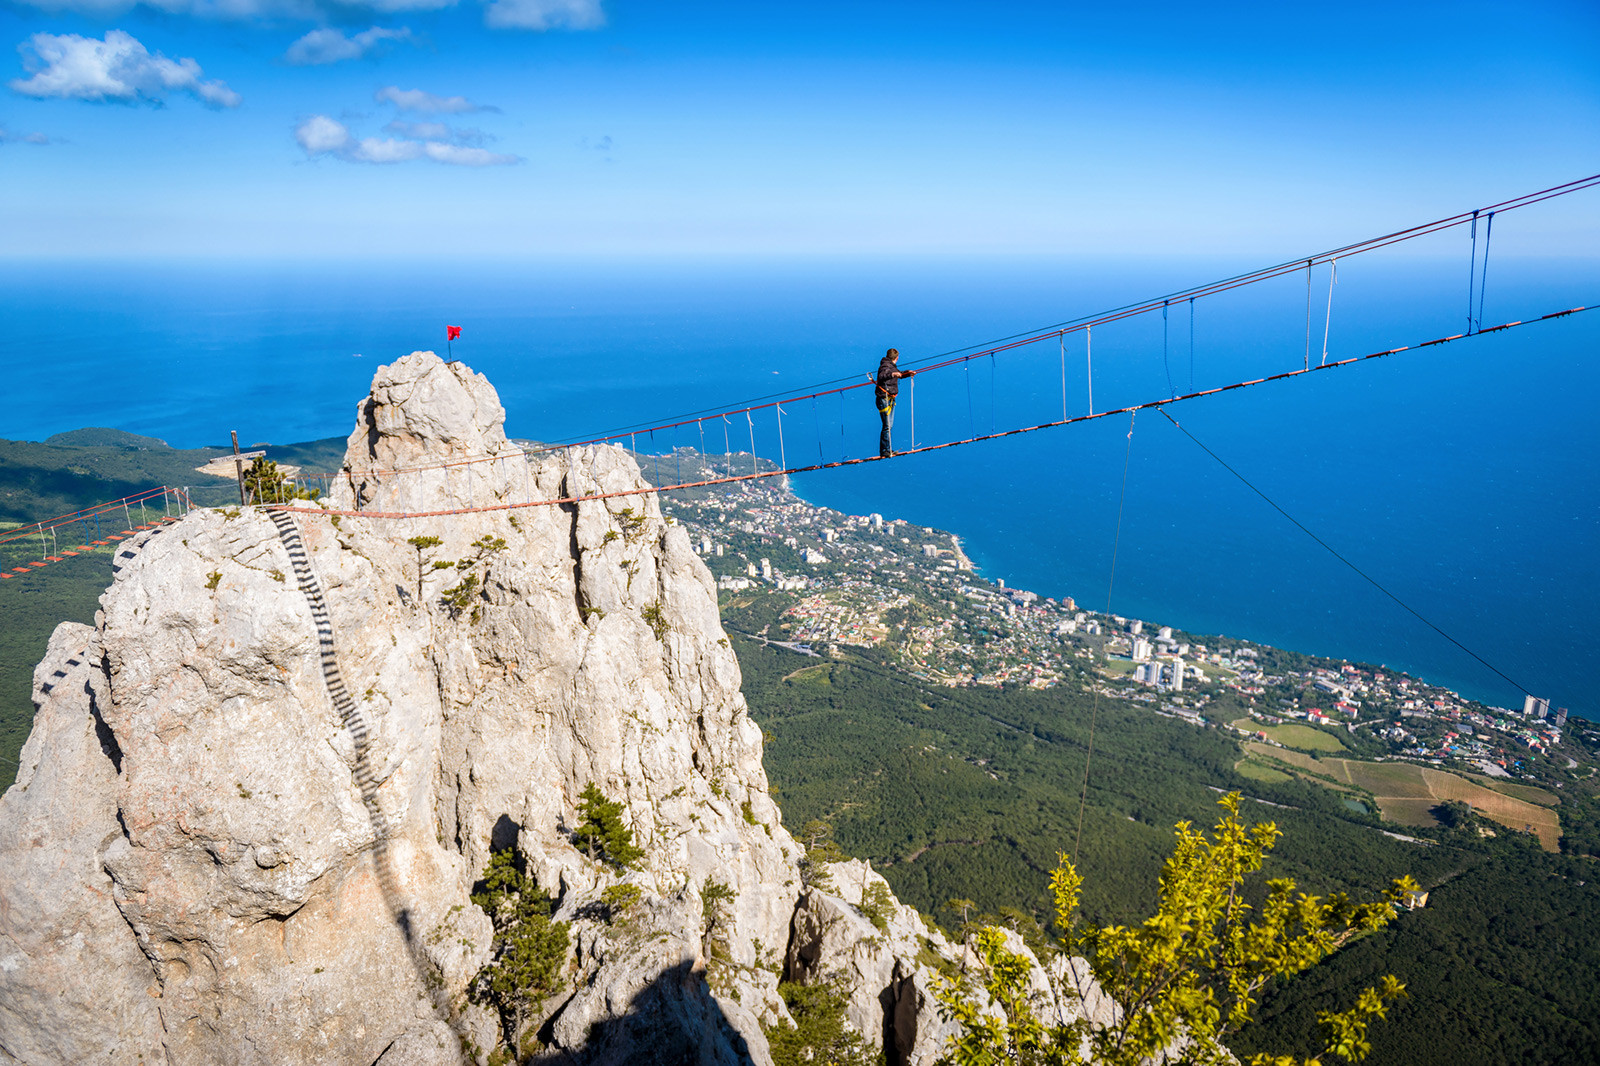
(1531, 793)
(1406, 793)
(1260, 771)
(1293, 735)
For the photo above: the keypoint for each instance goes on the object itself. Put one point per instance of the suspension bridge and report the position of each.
(99, 526)
(776, 423)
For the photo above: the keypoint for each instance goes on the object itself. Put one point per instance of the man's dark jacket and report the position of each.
(889, 376)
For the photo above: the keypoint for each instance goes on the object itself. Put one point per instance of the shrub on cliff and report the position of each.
(1185, 978)
(819, 1034)
(529, 948)
(602, 835)
(264, 483)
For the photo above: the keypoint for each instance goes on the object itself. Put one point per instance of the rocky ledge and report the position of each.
(260, 789)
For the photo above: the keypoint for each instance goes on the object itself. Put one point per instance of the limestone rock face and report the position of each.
(258, 792)
(74, 986)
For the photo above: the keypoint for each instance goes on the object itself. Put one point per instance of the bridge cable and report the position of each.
(1116, 540)
(1172, 390)
(1333, 279)
(1483, 275)
(1472, 268)
(1191, 344)
(757, 474)
(1374, 582)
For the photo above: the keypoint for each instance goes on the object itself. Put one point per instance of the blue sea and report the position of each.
(1461, 477)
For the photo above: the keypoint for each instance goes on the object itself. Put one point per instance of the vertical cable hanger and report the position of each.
(1472, 270)
(1088, 362)
(1308, 315)
(816, 421)
(844, 450)
(1483, 275)
(783, 459)
(1164, 362)
(972, 423)
(1191, 344)
(911, 408)
(1063, 377)
(755, 467)
(1333, 277)
(991, 394)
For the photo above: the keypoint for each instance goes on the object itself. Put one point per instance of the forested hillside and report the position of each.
(971, 793)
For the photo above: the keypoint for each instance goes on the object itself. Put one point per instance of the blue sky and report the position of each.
(289, 128)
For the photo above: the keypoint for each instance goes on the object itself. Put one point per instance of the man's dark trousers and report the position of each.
(887, 414)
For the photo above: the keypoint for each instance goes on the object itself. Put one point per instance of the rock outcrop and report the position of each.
(259, 790)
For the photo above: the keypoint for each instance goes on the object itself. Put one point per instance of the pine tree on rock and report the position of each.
(602, 835)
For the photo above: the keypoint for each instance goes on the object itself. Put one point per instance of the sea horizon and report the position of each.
(1458, 476)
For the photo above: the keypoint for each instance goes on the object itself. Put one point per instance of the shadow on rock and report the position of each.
(366, 781)
(673, 1021)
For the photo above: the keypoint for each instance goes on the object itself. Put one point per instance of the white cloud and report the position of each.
(7, 137)
(321, 135)
(501, 14)
(438, 131)
(117, 68)
(331, 46)
(422, 131)
(376, 150)
(458, 155)
(417, 100)
(543, 14)
(240, 10)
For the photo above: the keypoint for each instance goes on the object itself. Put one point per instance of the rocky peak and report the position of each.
(259, 790)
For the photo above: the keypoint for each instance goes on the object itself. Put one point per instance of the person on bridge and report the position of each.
(887, 390)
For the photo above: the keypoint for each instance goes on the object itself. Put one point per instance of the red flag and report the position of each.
(452, 332)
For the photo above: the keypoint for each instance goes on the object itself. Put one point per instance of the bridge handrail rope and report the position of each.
(779, 471)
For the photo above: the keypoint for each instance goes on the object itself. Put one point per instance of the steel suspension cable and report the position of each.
(1483, 275)
(1111, 582)
(1172, 389)
(1472, 268)
(1331, 550)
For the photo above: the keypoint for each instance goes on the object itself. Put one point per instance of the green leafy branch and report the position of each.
(1190, 972)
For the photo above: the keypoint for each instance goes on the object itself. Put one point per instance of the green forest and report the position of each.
(973, 792)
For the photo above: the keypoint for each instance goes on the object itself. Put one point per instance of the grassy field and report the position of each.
(1260, 771)
(810, 675)
(1531, 793)
(1293, 735)
(1406, 793)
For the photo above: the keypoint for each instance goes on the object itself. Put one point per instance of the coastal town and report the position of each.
(822, 582)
